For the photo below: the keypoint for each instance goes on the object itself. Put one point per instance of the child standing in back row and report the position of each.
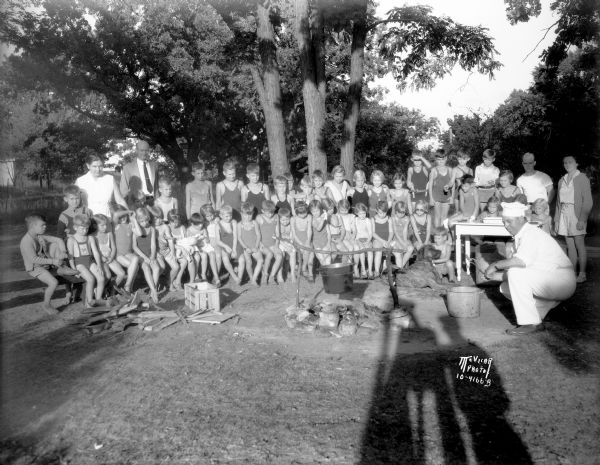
(359, 192)
(199, 191)
(441, 183)
(165, 201)
(417, 178)
(229, 191)
(254, 192)
(458, 172)
(378, 191)
(399, 193)
(486, 176)
(72, 197)
(468, 202)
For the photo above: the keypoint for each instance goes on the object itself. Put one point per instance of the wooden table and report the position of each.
(474, 229)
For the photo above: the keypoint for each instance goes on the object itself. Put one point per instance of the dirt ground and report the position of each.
(252, 391)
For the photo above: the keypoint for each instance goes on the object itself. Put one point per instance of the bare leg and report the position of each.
(90, 283)
(182, 262)
(173, 271)
(276, 264)
(52, 284)
(204, 265)
(293, 266)
(451, 273)
(148, 274)
(444, 207)
(266, 263)
(258, 267)
(100, 280)
(227, 264)
(437, 214)
(377, 265)
(407, 255)
(249, 269)
(241, 267)
(582, 253)
(192, 270)
(572, 250)
(370, 263)
(119, 272)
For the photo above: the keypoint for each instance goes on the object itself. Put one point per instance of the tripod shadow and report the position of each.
(422, 412)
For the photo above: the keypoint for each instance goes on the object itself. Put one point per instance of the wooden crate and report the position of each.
(202, 296)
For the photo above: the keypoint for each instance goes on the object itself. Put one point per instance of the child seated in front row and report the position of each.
(349, 226)
(123, 230)
(203, 252)
(540, 212)
(444, 265)
(400, 225)
(336, 228)
(108, 251)
(145, 247)
(420, 225)
(166, 247)
(36, 252)
(302, 234)
(382, 234)
(212, 228)
(231, 249)
(268, 225)
(85, 257)
(249, 239)
(184, 252)
(364, 238)
(286, 243)
(320, 232)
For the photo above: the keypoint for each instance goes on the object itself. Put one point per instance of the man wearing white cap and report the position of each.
(539, 274)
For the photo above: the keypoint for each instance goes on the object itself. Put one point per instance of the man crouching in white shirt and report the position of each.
(539, 274)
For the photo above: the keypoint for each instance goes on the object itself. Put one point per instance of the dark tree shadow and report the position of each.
(418, 398)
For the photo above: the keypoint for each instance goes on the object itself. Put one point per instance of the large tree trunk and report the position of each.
(352, 112)
(309, 35)
(268, 87)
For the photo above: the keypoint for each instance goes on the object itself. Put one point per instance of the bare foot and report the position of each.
(253, 282)
(49, 309)
(154, 296)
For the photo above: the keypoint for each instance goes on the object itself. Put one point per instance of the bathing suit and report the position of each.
(144, 243)
(375, 197)
(104, 246)
(282, 204)
(227, 238)
(82, 253)
(301, 234)
(233, 198)
(267, 232)
(419, 181)
(511, 198)
(256, 200)
(336, 231)
(360, 197)
(383, 229)
(438, 186)
(320, 237)
(248, 236)
(421, 231)
(469, 202)
(123, 238)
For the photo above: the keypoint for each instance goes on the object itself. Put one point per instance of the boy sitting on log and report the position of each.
(39, 253)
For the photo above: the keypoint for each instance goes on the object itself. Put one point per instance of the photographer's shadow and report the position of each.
(422, 412)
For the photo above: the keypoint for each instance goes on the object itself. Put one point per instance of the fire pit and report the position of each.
(343, 317)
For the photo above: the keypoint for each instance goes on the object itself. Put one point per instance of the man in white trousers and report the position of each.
(539, 274)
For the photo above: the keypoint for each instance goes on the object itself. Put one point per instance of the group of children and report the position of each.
(269, 235)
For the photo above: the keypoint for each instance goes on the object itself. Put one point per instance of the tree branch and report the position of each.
(541, 40)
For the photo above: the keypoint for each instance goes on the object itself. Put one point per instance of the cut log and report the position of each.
(165, 322)
(157, 314)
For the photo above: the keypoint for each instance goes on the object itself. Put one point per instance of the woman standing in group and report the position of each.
(98, 189)
(573, 205)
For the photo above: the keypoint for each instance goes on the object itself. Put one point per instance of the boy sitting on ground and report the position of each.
(37, 250)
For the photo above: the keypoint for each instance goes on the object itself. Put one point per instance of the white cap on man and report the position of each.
(513, 209)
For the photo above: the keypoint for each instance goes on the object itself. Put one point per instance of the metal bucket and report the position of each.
(463, 301)
(337, 277)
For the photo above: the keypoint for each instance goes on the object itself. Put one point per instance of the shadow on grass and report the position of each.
(16, 452)
(423, 412)
(40, 374)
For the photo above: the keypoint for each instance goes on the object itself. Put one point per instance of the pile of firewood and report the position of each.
(123, 312)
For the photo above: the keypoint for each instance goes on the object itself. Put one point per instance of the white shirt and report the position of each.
(98, 191)
(539, 251)
(484, 175)
(338, 193)
(534, 186)
(140, 165)
(567, 189)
